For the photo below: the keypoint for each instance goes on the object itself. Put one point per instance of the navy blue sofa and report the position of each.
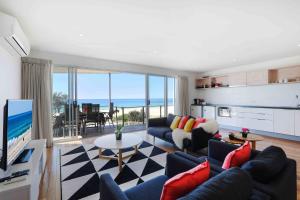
(233, 184)
(272, 172)
(160, 128)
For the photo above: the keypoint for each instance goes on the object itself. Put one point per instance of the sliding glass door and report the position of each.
(64, 110)
(89, 101)
(156, 96)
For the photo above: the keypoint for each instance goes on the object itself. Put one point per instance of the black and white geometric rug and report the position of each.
(81, 169)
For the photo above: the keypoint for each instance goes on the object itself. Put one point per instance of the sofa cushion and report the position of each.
(233, 184)
(185, 182)
(266, 164)
(148, 190)
(189, 125)
(168, 136)
(175, 122)
(170, 119)
(198, 121)
(183, 121)
(158, 131)
(238, 156)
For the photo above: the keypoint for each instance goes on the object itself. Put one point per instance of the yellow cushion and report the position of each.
(189, 125)
(175, 122)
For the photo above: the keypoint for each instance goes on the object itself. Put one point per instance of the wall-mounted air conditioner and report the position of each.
(12, 36)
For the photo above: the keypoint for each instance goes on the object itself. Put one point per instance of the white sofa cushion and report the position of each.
(210, 126)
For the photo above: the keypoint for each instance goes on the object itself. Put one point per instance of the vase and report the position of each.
(118, 136)
(244, 134)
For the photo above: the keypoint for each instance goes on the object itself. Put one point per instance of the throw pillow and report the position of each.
(183, 121)
(267, 164)
(238, 156)
(189, 125)
(198, 121)
(185, 182)
(210, 126)
(175, 122)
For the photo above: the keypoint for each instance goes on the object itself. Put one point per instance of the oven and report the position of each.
(224, 111)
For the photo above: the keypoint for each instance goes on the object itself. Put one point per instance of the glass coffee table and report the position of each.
(110, 142)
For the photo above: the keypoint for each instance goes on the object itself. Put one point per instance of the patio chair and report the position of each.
(110, 115)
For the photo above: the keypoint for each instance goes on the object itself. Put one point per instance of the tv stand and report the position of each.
(24, 156)
(28, 187)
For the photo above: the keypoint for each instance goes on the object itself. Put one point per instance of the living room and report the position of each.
(149, 100)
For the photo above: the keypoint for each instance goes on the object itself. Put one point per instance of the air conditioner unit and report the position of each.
(12, 36)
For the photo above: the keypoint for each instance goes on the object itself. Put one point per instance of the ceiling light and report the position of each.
(298, 45)
(80, 35)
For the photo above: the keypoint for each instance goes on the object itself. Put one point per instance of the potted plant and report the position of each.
(118, 132)
(245, 132)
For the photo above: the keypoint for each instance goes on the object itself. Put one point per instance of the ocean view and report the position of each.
(104, 103)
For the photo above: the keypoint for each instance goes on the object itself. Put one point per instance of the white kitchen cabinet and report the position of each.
(284, 121)
(297, 122)
(209, 112)
(196, 110)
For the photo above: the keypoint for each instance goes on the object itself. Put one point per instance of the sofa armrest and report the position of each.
(177, 164)
(109, 189)
(200, 139)
(153, 122)
(283, 185)
(218, 150)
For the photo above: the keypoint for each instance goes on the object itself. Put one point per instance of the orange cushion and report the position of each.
(198, 121)
(183, 121)
(238, 156)
(185, 182)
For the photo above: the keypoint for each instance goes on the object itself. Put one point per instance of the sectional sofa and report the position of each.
(268, 175)
(160, 128)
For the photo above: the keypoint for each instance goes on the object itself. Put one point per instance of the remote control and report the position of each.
(15, 175)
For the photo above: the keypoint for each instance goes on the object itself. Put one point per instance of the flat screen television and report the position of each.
(16, 129)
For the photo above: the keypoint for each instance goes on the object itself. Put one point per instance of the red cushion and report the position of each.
(238, 156)
(185, 182)
(218, 136)
(183, 121)
(198, 121)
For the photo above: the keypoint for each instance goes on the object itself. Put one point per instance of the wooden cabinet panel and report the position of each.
(297, 122)
(284, 121)
(259, 77)
(237, 79)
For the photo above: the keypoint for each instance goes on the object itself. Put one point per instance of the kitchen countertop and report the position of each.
(249, 106)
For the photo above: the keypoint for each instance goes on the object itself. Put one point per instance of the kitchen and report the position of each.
(267, 108)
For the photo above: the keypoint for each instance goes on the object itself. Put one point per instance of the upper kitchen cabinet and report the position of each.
(284, 121)
(258, 77)
(237, 79)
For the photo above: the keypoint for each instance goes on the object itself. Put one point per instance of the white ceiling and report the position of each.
(192, 35)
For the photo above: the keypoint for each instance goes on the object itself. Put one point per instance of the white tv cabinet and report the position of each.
(27, 189)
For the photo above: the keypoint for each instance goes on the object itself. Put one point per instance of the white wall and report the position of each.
(10, 81)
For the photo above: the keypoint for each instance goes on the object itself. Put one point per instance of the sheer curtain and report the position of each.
(36, 85)
(182, 96)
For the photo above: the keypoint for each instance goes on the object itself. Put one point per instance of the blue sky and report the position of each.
(19, 106)
(124, 85)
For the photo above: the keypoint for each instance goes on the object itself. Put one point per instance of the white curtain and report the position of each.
(36, 85)
(182, 96)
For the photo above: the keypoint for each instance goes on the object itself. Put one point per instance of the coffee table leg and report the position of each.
(100, 152)
(254, 145)
(120, 159)
(135, 149)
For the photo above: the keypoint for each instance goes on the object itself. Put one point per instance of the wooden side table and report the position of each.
(239, 139)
